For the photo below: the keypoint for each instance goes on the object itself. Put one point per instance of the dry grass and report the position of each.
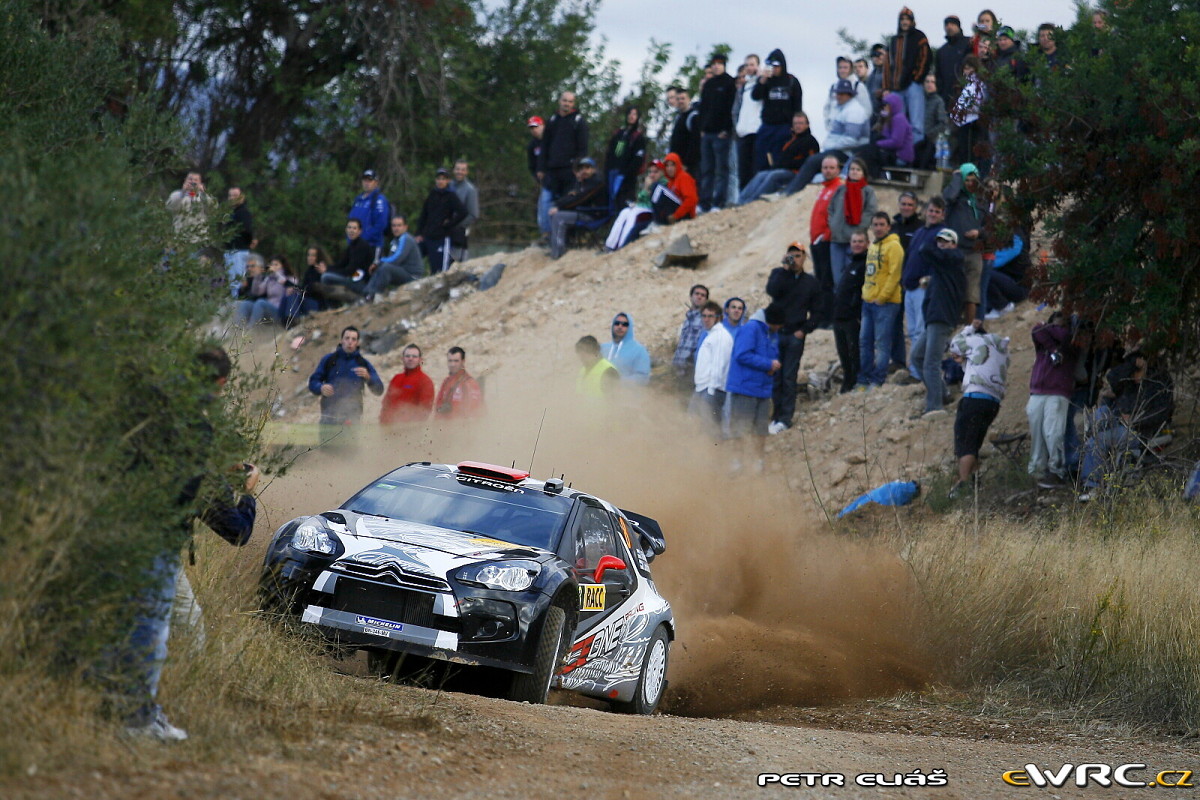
(1098, 613)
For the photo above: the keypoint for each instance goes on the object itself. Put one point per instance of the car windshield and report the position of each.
(465, 503)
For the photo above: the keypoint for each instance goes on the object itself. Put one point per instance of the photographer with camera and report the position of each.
(1050, 388)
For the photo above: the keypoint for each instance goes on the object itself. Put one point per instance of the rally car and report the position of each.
(482, 565)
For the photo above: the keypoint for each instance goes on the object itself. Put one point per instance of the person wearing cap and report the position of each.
(874, 78)
(441, 212)
(752, 366)
(716, 133)
(533, 151)
(967, 215)
(747, 116)
(372, 210)
(916, 268)
(585, 198)
(845, 72)
(631, 221)
(1008, 54)
(908, 61)
(941, 309)
(782, 97)
(792, 156)
(564, 142)
(798, 293)
(949, 59)
(625, 159)
(849, 129)
(881, 301)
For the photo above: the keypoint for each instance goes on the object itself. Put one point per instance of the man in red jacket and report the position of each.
(819, 238)
(409, 396)
(460, 395)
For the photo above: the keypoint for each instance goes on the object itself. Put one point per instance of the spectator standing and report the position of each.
(792, 156)
(908, 61)
(351, 269)
(948, 62)
(468, 195)
(712, 368)
(966, 215)
(937, 124)
(189, 205)
(682, 186)
(874, 79)
(625, 159)
(820, 237)
(239, 226)
(752, 366)
(847, 311)
(1048, 46)
(597, 377)
(734, 317)
(895, 142)
(440, 215)
(984, 357)
(371, 209)
(845, 72)
(904, 225)
(849, 129)
(533, 155)
(881, 301)
(460, 396)
(586, 198)
(685, 133)
(1050, 388)
(850, 210)
(944, 288)
(684, 360)
(985, 30)
(917, 267)
(747, 116)
(409, 396)
(797, 293)
(339, 380)
(781, 97)
(625, 352)
(1008, 54)
(402, 264)
(564, 142)
(969, 130)
(716, 132)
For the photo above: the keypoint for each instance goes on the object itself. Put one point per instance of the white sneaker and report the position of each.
(776, 427)
(158, 728)
(992, 315)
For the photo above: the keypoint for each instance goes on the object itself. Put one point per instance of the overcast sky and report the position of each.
(805, 31)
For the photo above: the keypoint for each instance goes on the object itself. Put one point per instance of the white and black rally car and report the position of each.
(481, 565)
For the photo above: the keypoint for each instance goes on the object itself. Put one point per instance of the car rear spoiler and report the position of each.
(649, 534)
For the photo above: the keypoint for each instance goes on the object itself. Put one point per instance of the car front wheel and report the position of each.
(653, 680)
(534, 687)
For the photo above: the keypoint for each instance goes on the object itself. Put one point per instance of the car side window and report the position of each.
(596, 538)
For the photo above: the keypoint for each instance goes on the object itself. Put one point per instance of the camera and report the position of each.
(789, 260)
(1056, 358)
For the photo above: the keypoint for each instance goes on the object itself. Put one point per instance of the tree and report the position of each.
(1102, 153)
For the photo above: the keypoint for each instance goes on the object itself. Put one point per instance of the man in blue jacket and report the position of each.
(625, 352)
(371, 208)
(339, 380)
(754, 362)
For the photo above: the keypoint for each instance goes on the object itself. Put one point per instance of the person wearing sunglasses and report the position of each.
(625, 352)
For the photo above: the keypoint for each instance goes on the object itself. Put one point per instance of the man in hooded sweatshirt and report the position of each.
(908, 61)
(683, 186)
(752, 366)
(440, 214)
(881, 301)
(625, 352)
(782, 98)
(949, 59)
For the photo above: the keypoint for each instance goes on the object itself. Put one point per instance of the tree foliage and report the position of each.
(1103, 153)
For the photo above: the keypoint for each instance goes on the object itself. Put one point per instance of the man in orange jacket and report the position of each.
(460, 395)
(409, 396)
(683, 186)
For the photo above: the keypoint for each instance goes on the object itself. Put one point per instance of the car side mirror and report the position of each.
(607, 563)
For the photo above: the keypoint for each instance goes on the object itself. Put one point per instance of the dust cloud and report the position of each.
(770, 609)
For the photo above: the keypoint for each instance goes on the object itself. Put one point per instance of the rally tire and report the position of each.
(653, 679)
(534, 687)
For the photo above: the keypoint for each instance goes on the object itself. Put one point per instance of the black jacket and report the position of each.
(781, 96)
(1149, 403)
(847, 301)
(798, 293)
(358, 255)
(908, 60)
(716, 104)
(948, 67)
(796, 151)
(532, 151)
(441, 214)
(947, 285)
(905, 230)
(564, 140)
(685, 138)
(584, 194)
(241, 228)
(626, 152)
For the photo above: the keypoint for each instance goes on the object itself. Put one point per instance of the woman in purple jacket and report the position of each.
(1050, 388)
(893, 146)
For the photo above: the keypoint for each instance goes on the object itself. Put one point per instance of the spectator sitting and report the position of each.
(250, 290)
(460, 395)
(597, 377)
(849, 129)
(401, 265)
(1137, 404)
(845, 72)
(682, 186)
(847, 311)
(895, 143)
(1050, 388)
(440, 215)
(351, 269)
(409, 396)
(633, 220)
(792, 156)
(984, 357)
(585, 199)
(270, 294)
(712, 368)
(937, 123)
(625, 352)
(317, 264)
(371, 209)
(625, 158)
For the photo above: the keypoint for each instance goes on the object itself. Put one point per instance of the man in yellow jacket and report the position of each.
(881, 302)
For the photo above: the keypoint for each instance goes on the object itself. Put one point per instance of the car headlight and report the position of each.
(313, 538)
(510, 576)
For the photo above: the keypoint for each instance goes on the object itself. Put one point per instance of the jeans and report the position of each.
(251, 312)
(985, 280)
(812, 166)
(899, 351)
(839, 257)
(733, 183)
(235, 267)
(845, 338)
(714, 169)
(875, 345)
(545, 200)
(914, 107)
(927, 354)
(387, 275)
(559, 223)
(358, 287)
(1003, 289)
(783, 394)
(765, 182)
(1105, 451)
(140, 658)
(1047, 414)
(1071, 441)
(914, 320)
(770, 139)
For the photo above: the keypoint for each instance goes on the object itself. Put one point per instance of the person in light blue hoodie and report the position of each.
(625, 352)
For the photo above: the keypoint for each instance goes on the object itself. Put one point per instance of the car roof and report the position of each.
(510, 475)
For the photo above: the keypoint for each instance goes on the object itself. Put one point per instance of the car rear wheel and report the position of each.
(534, 687)
(653, 680)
